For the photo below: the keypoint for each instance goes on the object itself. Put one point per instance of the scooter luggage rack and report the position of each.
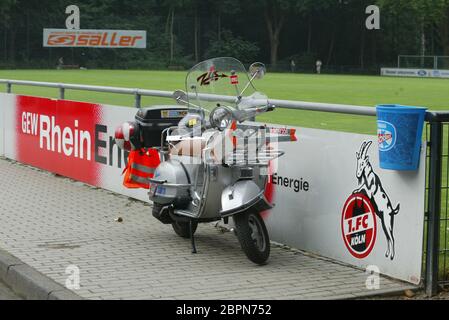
(168, 137)
(241, 158)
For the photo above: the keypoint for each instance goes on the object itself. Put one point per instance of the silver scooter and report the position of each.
(215, 164)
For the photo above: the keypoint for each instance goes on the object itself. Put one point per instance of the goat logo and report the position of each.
(370, 189)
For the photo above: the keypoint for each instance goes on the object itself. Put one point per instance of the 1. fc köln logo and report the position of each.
(359, 225)
(367, 205)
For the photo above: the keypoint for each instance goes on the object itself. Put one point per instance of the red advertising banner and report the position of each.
(68, 138)
(58, 136)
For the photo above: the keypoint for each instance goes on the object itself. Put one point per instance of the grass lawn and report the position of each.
(355, 90)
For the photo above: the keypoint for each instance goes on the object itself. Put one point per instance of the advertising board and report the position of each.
(95, 38)
(331, 196)
(415, 73)
(333, 199)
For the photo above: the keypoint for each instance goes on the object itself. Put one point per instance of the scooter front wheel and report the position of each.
(253, 236)
(182, 229)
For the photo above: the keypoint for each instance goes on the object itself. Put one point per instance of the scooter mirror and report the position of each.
(180, 97)
(257, 70)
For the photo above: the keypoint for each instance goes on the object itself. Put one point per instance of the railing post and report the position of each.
(138, 100)
(8, 87)
(61, 93)
(433, 222)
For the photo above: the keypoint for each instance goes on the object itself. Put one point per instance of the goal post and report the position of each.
(423, 62)
(419, 67)
(442, 63)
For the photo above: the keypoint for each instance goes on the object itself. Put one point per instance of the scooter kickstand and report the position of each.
(192, 238)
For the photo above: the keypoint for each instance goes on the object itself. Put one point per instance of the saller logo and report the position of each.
(367, 201)
(66, 40)
(94, 38)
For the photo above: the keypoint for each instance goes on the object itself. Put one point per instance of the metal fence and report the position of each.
(436, 244)
(437, 216)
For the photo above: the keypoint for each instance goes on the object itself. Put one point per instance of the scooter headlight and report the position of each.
(221, 118)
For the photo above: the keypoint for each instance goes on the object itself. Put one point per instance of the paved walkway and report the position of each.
(52, 223)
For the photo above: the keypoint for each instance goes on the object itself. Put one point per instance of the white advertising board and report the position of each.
(374, 218)
(322, 208)
(95, 38)
(416, 73)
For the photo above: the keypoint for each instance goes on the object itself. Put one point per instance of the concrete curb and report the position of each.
(384, 293)
(29, 283)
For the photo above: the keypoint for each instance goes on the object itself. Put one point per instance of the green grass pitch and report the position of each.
(355, 90)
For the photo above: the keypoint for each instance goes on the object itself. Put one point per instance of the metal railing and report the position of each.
(139, 93)
(433, 274)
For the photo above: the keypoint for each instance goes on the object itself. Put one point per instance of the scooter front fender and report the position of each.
(241, 196)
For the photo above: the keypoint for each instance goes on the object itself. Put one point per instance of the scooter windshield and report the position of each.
(220, 81)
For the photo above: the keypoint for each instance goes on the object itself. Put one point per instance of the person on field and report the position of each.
(318, 66)
(293, 66)
(60, 63)
(83, 62)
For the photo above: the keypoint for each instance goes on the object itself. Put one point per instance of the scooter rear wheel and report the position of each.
(182, 229)
(253, 236)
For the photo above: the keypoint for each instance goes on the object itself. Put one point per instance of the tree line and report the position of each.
(182, 32)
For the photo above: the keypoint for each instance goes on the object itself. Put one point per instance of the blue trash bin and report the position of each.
(399, 130)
